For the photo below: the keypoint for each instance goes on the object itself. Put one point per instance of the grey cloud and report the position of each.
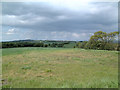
(42, 16)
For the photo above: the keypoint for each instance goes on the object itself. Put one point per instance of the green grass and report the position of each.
(59, 68)
(70, 45)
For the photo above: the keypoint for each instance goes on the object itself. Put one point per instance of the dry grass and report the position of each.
(60, 68)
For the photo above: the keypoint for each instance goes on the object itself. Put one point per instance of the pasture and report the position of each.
(59, 68)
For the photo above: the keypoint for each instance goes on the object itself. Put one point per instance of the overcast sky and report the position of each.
(74, 20)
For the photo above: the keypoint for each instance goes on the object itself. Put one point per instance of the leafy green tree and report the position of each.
(102, 40)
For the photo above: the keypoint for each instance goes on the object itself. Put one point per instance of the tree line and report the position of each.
(29, 44)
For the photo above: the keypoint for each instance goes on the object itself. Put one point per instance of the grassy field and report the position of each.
(59, 68)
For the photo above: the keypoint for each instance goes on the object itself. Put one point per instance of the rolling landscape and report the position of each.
(59, 44)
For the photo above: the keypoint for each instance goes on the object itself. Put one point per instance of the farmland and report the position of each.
(35, 67)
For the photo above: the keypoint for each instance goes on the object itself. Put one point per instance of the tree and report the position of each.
(102, 40)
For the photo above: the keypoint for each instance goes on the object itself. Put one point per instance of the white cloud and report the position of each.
(27, 38)
(11, 31)
(83, 34)
(62, 17)
(75, 5)
(75, 35)
(53, 33)
(94, 10)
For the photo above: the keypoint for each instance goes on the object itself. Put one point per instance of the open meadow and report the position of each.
(35, 67)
